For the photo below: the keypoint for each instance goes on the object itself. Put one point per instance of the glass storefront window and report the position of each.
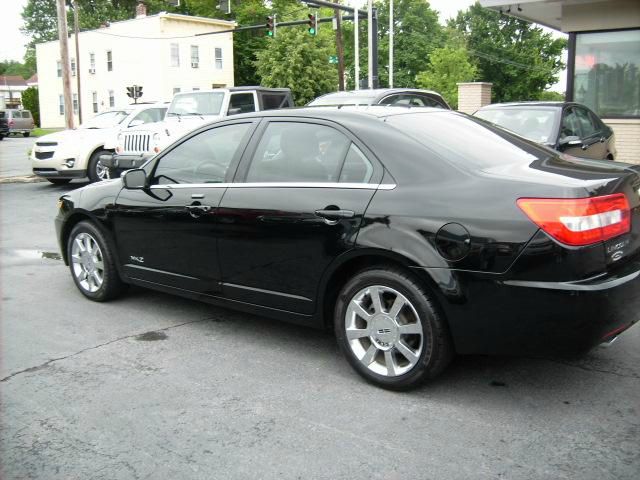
(607, 72)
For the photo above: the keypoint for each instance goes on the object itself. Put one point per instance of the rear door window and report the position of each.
(570, 124)
(588, 127)
(298, 152)
(274, 101)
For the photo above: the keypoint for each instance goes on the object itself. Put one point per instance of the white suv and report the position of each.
(62, 156)
(188, 111)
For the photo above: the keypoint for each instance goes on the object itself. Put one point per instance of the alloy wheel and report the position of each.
(87, 262)
(102, 172)
(384, 331)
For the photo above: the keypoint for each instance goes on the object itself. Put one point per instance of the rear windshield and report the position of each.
(535, 123)
(465, 140)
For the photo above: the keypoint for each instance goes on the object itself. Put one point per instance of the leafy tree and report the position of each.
(30, 102)
(551, 96)
(417, 34)
(299, 61)
(518, 58)
(11, 67)
(449, 65)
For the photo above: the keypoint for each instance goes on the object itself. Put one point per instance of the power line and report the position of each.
(492, 58)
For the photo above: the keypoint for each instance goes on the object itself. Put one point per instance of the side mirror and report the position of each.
(234, 111)
(136, 123)
(570, 141)
(135, 179)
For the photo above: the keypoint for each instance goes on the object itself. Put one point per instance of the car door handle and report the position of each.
(335, 214)
(602, 139)
(584, 146)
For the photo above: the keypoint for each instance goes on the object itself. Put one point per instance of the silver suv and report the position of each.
(18, 121)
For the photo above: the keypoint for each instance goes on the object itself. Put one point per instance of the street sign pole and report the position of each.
(370, 43)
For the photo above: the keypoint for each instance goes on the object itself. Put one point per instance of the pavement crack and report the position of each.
(119, 339)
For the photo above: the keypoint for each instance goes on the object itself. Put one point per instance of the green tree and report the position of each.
(11, 67)
(449, 65)
(299, 61)
(417, 34)
(30, 102)
(520, 59)
(551, 96)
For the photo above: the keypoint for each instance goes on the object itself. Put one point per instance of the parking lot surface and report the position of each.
(14, 156)
(155, 386)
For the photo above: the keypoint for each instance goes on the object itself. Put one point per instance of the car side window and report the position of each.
(241, 103)
(570, 124)
(357, 168)
(203, 158)
(26, 114)
(586, 123)
(298, 152)
(432, 102)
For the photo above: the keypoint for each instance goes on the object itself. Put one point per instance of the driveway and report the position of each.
(14, 156)
(155, 386)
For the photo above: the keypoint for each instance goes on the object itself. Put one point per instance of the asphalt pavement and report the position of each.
(159, 387)
(14, 156)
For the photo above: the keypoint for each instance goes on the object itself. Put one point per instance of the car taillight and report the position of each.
(580, 221)
(11, 123)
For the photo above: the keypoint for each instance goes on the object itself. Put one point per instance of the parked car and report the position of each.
(564, 126)
(4, 125)
(383, 96)
(413, 233)
(18, 122)
(188, 111)
(62, 156)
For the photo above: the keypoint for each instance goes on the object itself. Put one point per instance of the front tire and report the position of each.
(26, 134)
(388, 327)
(93, 264)
(95, 170)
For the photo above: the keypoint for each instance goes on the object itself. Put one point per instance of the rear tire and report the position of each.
(93, 264)
(95, 170)
(59, 181)
(26, 134)
(396, 343)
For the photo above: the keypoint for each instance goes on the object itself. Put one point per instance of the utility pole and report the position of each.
(66, 67)
(78, 70)
(370, 43)
(391, 43)
(356, 48)
(340, 49)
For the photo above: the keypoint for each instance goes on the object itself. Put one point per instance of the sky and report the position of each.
(12, 40)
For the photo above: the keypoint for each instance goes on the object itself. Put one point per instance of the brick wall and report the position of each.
(627, 133)
(472, 96)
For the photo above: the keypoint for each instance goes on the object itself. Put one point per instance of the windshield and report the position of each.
(106, 119)
(346, 98)
(537, 124)
(203, 103)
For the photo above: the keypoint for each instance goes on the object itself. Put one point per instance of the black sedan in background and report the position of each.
(565, 126)
(408, 97)
(413, 233)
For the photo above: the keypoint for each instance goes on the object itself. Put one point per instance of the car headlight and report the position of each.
(120, 137)
(156, 138)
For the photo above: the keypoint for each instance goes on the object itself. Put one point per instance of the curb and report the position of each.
(22, 179)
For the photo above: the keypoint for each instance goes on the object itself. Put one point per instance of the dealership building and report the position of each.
(603, 64)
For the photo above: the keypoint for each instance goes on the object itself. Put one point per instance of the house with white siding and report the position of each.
(162, 53)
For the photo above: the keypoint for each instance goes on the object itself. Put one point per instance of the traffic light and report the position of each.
(313, 23)
(271, 26)
(134, 92)
(224, 6)
(131, 92)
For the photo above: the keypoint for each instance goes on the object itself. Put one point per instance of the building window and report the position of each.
(94, 100)
(175, 55)
(607, 73)
(61, 104)
(92, 63)
(196, 89)
(176, 90)
(112, 99)
(59, 64)
(195, 57)
(218, 53)
(109, 61)
(75, 103)
(73, 67)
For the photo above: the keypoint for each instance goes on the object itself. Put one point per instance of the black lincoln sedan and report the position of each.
(413, 233)
(568, 127)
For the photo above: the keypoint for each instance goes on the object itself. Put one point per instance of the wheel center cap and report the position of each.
(87, 262)
(384, 332)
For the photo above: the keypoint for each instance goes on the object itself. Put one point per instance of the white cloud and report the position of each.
(13, 41)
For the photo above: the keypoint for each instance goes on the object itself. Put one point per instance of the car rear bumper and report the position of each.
(493, 316)
(124, 162)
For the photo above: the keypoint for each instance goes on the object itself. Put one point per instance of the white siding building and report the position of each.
(158, 52)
